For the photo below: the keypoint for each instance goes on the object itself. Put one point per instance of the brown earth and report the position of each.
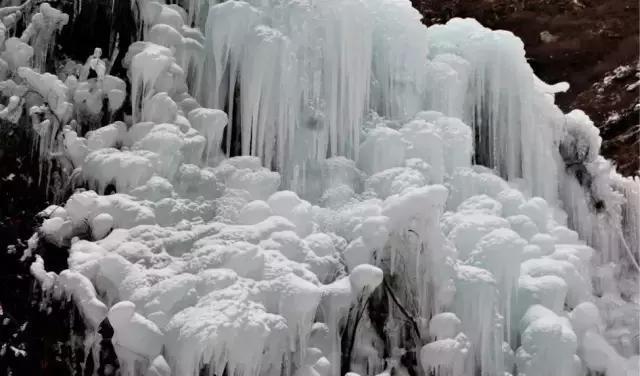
(582, 42)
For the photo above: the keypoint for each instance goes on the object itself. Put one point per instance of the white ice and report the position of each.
(425, 171)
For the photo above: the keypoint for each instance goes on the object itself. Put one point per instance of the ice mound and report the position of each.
(204, 277)
(445, 356)
(548, 344)
(227, 332)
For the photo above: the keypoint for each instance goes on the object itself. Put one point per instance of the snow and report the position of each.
(421, 172)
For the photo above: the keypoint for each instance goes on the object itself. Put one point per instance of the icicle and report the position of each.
(149, 62)
(211, 123)
(475, 304)
(506, 126)
(319, 93)
(500, 252)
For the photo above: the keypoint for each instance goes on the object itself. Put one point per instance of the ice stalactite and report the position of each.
(398, 64)
(211, 123)
(222, 64)
(508, 137)
(53, 103)
(187, 47)
(503, 104)
(500, 252)
(150, 64)
(445, 357)
(476, 302)
(310, 105)
(41, 33)
(262, 129)
(426, 262)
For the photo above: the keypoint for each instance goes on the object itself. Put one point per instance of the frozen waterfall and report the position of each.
(321, 188)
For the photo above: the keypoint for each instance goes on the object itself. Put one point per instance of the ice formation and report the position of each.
(320, 188)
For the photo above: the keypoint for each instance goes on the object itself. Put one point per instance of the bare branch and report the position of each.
(411, 319)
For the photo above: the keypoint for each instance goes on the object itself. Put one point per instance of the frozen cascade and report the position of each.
(325, 60)
(316, 188)
(504, 104)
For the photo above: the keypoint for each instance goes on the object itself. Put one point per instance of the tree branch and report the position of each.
(346, 355)
(412, 320)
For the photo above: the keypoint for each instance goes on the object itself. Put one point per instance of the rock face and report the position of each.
(591, 44)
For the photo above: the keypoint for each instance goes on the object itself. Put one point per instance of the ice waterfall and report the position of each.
(324, 187)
